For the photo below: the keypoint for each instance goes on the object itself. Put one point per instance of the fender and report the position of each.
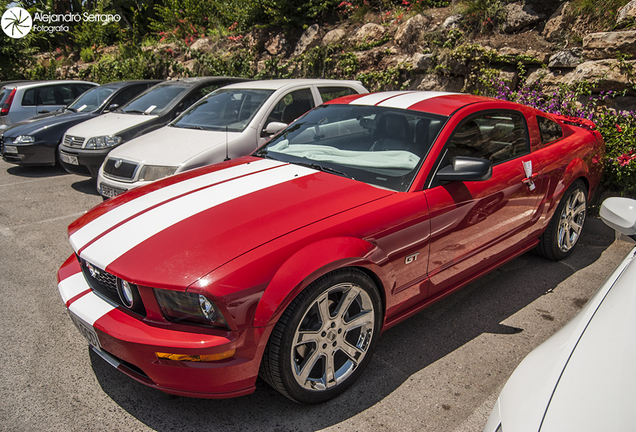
(576, 169)
(313, 261)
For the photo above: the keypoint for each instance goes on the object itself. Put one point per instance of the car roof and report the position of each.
(442, 103)
(120, 84)
(277, 84)
(31, 84)
(190, 82)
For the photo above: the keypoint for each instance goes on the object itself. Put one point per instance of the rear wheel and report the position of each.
(325, 338)
(564, 230)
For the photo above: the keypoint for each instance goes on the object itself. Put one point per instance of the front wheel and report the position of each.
(566, 225)
(325, 338)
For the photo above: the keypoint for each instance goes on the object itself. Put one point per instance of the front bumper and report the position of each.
(130, 342)
(88, 161)
(38, 153)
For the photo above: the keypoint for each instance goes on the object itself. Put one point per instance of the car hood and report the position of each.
(171, 232)
(581, 378)
(170, 146)
(109, 124)
(33, 126)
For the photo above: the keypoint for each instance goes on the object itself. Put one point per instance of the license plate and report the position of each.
(86, 330)
(108, 191)
(69, 159)
(10, 149)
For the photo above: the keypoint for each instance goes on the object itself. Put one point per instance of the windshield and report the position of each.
(376, 145)
(91, 100)
(155, 99)
(231, 109)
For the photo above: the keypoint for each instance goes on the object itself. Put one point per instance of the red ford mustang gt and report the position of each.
(289, 263)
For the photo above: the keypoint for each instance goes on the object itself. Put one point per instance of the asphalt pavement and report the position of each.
(438, 371)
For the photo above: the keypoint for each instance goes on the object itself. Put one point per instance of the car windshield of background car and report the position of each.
(155, 100)
(380, 146)
(231, 109)
(91, 100)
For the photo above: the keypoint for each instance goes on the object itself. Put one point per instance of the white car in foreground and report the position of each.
(584, 377)
(232, 121)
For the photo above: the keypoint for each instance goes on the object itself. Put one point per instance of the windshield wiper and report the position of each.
(135, 112)
(322, 168)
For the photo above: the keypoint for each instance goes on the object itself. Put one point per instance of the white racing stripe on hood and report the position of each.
(406, 100)
(108, 220)
(114, 244)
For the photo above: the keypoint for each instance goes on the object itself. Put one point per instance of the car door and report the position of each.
(54, 97)
(474, 224)
(287, 108)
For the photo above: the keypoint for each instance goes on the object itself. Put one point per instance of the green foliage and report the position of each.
(235, 63)
(481, 16)
(601, 13)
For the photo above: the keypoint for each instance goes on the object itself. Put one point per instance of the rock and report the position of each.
(452, 22)
(566, 59)
(421, 62)
(203, 45)
(597, 46)
(556, 26)
(520, 16)
(529, 56)
(368, 33)
(604, 75)
(277, 45)
(626, 14)
(407, 31)
(434, 82)
(334, 36)
(309, 37)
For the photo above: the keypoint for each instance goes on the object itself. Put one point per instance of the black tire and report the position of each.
(566, 225)
(335, 349)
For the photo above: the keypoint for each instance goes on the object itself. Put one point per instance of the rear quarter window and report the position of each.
(329, 93)
(550, 130)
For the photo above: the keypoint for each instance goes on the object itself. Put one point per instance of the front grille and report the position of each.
(73, 141)
(120, 169)
(105, 284)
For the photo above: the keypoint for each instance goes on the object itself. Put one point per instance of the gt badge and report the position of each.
(409, 259)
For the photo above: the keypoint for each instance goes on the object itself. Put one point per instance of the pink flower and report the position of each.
(618, 128)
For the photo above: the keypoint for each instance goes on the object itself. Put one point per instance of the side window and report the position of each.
(550, 130)
(78, 89)
(497, 136)
(127, 94)
(29, 98)
(291, 106)
(54, 95)
(329, 93)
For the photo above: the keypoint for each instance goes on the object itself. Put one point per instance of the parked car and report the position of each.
(293, 260)
(233, 121)
(25, 99)
(582, 378)
(85, 146)
(35, 141)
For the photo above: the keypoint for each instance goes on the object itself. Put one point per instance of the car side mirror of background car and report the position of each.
(273, 127)
(464, 168)
(112, 107)
(620, 214)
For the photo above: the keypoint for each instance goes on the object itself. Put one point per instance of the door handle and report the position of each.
(43, 112)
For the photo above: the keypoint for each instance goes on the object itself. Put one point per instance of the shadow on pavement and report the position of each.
(37, 171)
(401, 352)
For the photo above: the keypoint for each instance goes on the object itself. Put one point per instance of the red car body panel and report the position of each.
(250, 234)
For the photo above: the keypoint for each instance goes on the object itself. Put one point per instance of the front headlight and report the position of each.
(155, 172)
(102, 142)
(24, 139)
(188, 308)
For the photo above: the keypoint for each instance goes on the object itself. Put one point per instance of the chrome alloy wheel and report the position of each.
(571, 220)
(333, 337)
